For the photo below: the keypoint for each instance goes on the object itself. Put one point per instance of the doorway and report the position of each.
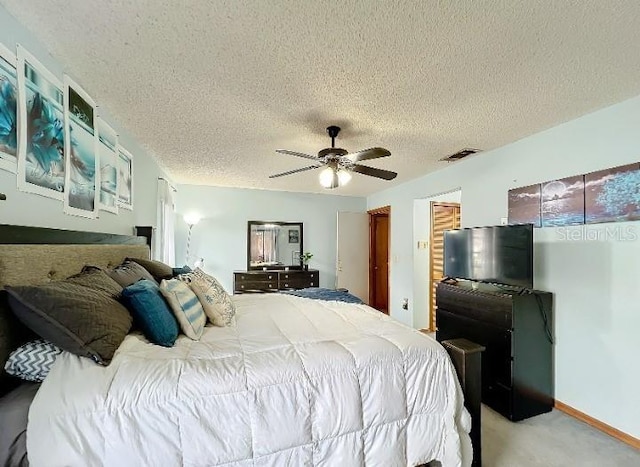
(379, 228)
(352, 265)
(444, 216)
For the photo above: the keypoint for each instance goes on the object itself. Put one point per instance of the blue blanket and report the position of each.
(319, 293)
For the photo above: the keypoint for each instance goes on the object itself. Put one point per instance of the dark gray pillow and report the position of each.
(98, 279)
(129, 273)
(79, 314)
(157, 269)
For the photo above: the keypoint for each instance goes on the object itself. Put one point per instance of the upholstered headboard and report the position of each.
(37, 264)
(31, 255)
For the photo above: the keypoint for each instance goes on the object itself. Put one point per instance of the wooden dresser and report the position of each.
(272, 281)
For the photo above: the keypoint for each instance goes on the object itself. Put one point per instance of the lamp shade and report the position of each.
(326, 178)
(192, 218)
(344, 177)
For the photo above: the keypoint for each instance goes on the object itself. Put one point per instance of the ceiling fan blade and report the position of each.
(311, 167)
(366, 154)
(373, 172)
(298, 154)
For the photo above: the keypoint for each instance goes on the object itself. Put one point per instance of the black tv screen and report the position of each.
(501, 254)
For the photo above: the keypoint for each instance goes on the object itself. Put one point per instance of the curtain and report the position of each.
(165, 232)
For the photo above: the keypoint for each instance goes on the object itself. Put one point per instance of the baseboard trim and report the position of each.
(608, 429)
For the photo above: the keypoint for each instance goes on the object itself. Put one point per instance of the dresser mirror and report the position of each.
(274, 245)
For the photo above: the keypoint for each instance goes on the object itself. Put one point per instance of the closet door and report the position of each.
(444, 216)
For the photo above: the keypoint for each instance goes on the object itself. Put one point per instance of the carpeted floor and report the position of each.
(550, 440)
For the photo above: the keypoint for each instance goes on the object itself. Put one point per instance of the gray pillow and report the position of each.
(129, 273)
(80, 315)
(157, 269)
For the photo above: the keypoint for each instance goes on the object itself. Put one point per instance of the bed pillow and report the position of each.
(97, 279)
(215, 300)
(151, 313)
(32, 361)
(79, 314)
(157, 269)
(185, 306)
(129, 273)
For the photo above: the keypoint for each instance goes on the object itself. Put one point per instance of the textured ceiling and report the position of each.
(213, 88)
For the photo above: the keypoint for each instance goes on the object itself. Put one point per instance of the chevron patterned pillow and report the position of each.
(32, 361)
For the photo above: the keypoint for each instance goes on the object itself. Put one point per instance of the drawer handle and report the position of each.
(286, 276)
(270, 277)
(242, 286)
(286, 285)
(312, 284)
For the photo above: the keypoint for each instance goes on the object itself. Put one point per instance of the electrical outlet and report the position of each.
(405, 303)
(503, 221)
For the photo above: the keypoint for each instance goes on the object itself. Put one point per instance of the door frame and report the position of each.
(382, 211)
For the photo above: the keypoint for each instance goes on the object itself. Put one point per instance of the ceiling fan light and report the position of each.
(326, 178)
(344, 177)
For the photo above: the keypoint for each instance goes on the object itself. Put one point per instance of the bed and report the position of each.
(294, 382)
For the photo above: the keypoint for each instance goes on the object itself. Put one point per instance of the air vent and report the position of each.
(460, 154)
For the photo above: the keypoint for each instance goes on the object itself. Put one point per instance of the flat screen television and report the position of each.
(501, 254)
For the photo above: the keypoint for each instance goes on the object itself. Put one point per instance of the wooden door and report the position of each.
(379, 259)
(352, 265)
(444, 216)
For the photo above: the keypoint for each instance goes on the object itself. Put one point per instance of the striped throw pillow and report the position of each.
(185, 306)
(32, 361)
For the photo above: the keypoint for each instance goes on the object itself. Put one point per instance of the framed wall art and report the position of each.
(8, 110)
(108, 159)
(563, 202)
(524, 205)
(81, 170)
(41, 167)
(613, 195)
(125, 179)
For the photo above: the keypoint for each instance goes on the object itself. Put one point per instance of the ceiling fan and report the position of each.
(339, 163)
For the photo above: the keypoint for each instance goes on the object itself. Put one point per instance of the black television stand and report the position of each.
(515, 327)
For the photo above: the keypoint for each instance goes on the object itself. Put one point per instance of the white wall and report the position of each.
(221, 236)
(33, 210)
(596, 282)
(421, 257)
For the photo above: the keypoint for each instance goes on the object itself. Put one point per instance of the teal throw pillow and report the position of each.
(151, 313)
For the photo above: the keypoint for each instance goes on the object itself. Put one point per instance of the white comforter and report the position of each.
(296, 382)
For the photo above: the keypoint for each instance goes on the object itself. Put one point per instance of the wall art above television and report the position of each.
(610, 195)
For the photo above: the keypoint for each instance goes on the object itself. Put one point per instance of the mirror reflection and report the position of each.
(274, 245)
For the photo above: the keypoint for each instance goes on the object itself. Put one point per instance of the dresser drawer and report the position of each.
(298, 284)
(256, 276)
(256, 285)
(298, 279)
